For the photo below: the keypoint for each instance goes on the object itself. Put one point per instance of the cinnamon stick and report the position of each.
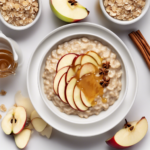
(140, 47)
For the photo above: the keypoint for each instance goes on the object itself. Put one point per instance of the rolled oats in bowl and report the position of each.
(125, 10)
(19, 12)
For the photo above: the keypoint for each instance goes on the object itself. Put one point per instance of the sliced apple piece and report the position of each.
(86, 69)
(39, 124)
(68, 11)
(95, 56)
(77, 61)
(65, 61)
(34, 114)
(30, 126)
(24, 102)
(85, 100)
(47, 131)
(59, 74)
(77, 99)
(132, 133)
(70, 91)
(22, 138)
(88, 59)
(61, 88)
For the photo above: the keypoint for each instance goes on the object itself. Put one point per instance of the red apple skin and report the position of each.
(62, 57)
(82, 101)
(111, 142)
(76, 59)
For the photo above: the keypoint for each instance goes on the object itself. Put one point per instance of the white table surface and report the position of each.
(28, 41)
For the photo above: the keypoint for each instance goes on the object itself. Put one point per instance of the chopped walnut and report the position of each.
(3, 108)
(0, 116)
(124, 9)
(19, 12)
(3, 93)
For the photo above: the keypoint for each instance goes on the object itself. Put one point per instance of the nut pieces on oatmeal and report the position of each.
(19, 12)
(124, 9)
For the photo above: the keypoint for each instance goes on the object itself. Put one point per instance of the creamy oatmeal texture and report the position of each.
(124, 9)
(79, 46)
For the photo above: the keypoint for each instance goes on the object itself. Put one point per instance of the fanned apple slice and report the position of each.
(69, 92)
(88, 59)
(61, 88)
(77, 99)
(85, 100)
(87, 68)
(22, 138)
(95, 56)
(59, 74)
(71, 72)
(39, 124)
(77, 61)
(47, 131)
(65, 61)
(34, 114)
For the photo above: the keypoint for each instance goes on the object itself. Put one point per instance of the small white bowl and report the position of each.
(120, 21)
(26, 26)
(74, 118)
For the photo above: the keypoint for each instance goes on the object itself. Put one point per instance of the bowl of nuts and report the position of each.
(20, 14)
(124, 12)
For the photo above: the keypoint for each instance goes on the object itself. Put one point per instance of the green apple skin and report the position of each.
(63, 18)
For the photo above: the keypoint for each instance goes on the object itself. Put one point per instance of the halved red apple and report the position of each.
(95, 56)
(59, 74)
(88, 59)
(66, 60)
(86, 69)
(14, 121)
(132, 133)
(85, 100)
(77, 99)
(61, 88)
(69, 92)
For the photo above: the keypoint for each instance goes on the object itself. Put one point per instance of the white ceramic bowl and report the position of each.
(124, 22)
(26, 26)
(74, 118)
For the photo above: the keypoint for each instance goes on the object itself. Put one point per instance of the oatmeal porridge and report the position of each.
(124, 9)
(86, 86)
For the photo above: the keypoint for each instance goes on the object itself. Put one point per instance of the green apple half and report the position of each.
(68, 10)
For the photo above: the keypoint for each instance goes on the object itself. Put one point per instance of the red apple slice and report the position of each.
(69, 92)
(129, 136)
(87, 68)
(39, 124)
(66, 60)
(88, 59)
(59, 74)
(95, 56)
(22, 138)
(85, 100)
(77, 61)
(61, 88)
(77, 99)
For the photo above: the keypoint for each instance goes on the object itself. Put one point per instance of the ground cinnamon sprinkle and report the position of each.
(142, 45)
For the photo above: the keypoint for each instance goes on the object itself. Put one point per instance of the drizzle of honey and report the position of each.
(7, 64)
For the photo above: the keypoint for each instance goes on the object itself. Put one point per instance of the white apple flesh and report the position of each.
(22, 138)
(129, 135)
(85, 100)
(47, 131)
(88, 59)
(34, 114)
(77, 61)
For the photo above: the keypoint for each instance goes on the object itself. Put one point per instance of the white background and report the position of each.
(28, 41)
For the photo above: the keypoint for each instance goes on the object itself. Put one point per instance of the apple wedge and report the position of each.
(132, 133)
(88, 59)
(34, 114)
(47, 131)
(61, 88)
(30, 126)
(95, 56)
(85, 100)
(86, 69)
(14, 121)
(39, 124)
(77, 99)
(77, 61)
(24, 102)
(65, 61)
(68, 10)
(70, 91)
(22, 138)
(59, 74)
